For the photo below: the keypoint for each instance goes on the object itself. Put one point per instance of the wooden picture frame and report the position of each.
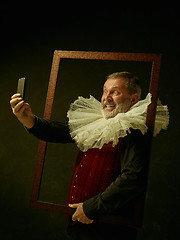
(155, 59)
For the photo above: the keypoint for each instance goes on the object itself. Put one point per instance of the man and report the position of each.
(109, 170)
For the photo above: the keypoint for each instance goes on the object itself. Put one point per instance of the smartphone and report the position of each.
(21, 86)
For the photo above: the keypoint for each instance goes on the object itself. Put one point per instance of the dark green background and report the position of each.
(28, 40)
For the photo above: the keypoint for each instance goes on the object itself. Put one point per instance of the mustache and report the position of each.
(109, 102)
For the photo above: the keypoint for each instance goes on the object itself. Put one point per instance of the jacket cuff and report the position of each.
(31, 130)
(91, 207)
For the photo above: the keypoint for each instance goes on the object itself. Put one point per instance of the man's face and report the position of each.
(115, 98)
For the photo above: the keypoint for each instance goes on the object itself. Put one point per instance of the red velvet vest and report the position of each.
(93, 172)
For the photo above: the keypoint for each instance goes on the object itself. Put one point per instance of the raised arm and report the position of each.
(50, 131)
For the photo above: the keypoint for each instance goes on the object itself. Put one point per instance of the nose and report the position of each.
(109, 96)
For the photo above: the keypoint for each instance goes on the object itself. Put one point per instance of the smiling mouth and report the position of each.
(109, 107)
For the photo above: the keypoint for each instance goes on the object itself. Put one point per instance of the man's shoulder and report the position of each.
(134, 137)
(135, 133)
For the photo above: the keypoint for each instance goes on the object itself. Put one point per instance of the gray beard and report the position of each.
(120, 108)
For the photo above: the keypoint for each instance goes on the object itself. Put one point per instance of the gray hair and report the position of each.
(132, 81)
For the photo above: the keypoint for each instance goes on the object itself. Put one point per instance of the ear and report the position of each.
(134, 98)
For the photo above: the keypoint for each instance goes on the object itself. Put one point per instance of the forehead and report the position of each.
(115, 83)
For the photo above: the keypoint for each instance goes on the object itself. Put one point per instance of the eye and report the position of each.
(105, 91)
(116, 92)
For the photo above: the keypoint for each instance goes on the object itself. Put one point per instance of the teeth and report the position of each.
(109, 106)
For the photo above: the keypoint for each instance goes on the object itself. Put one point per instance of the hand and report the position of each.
(79, 214)
(22, 111)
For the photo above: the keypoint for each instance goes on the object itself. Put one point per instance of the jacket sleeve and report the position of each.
(129, 183)
(51, 131)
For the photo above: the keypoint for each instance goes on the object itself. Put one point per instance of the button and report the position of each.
(76, 175)
(85, 155)
(81, 165)
(72, 197)
(74, 186)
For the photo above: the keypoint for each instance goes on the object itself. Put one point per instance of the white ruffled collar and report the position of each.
(90, 129)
